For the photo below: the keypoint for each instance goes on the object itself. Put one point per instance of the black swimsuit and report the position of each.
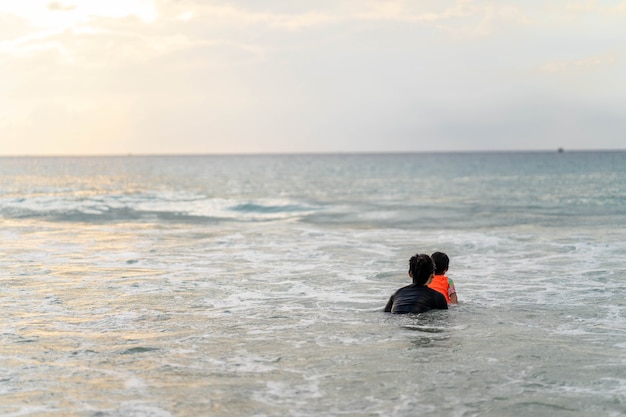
(413, 299)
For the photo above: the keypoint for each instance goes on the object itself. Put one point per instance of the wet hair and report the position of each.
(421, 267)
(441, 261)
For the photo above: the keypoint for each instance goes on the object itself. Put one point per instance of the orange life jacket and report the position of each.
(440, 283)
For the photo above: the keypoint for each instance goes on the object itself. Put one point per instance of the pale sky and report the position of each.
(265, 76)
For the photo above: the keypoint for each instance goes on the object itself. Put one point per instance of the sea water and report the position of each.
(254, 285)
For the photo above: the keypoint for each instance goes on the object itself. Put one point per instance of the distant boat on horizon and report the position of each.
(560, 150)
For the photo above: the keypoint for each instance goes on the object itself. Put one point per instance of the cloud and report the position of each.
(119, 38)
(57, 6)
(325, 75)
(289, 21)
(400, 11)
(592, 6)
(118, 43)
(589, 63)
(469, 15)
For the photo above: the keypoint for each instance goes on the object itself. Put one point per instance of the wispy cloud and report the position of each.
(289, 21)
(401, 11)
(32, 44)
(465, 13)
(283, 71)
(57, 6)
(593, 6)
(589, 63)
(181, 25)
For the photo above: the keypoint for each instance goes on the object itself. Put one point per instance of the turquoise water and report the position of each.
(253, 285)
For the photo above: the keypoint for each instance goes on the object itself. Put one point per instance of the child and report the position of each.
(417, 297)
(440, 282)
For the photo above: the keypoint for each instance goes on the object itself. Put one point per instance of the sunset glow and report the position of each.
(69, 14)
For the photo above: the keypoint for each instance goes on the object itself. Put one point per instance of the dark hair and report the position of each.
(441, 261)
(421, 267)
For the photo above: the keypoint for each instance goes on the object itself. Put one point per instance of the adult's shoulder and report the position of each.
(406, 288)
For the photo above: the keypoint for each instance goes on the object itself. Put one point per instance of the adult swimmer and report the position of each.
(417, 297)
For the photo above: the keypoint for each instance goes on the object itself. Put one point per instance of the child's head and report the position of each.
(441, 262)
(421, 269)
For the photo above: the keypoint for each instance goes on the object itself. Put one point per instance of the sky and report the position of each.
(84, 77)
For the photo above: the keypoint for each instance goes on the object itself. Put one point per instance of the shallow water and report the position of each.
(253, 286)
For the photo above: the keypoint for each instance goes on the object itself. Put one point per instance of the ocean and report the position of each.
(158, 286)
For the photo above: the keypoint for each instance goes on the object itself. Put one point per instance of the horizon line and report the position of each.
(305, 153)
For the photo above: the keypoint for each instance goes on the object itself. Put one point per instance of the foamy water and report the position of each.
(253, 286)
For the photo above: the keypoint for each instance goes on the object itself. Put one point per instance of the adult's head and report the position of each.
(421, 269)
(441, 261)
